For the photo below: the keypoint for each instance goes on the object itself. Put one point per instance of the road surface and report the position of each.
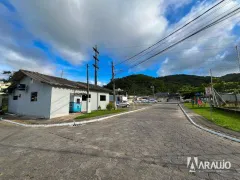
(150, 144)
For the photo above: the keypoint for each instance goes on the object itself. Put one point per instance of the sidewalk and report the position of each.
(210, 125)
(71, 122)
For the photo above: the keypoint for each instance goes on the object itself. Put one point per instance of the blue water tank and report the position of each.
(75, 107)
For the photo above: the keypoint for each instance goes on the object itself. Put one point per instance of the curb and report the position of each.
(72, 123)
(208, 130)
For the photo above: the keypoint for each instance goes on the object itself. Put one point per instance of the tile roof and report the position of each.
(54, 81)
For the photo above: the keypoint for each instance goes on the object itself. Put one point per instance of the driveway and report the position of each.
(150, 144)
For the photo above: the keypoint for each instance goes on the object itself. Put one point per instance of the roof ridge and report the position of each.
(45, 74)
(57, 81)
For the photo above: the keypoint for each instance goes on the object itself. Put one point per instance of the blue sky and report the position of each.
(43, 37)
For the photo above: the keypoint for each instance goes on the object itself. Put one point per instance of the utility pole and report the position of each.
(153, 89)
(62, 74)
(113, 82)
(88, 109)
(96, 62)
(238, 57)
(210, 102)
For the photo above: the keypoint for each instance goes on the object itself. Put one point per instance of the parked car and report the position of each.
(123, 104)
(153, 101)
(144, 101)
(136, 102)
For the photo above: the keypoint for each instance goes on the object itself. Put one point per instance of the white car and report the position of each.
(153, 101)
(123, 104)
(144, 101)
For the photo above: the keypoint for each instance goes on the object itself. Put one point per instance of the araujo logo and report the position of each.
(194, 164)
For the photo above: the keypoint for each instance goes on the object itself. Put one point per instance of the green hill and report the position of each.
(231, 77)
(140, 84)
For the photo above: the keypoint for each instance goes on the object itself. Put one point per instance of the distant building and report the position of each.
(44, 96)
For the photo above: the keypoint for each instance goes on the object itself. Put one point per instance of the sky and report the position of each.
(55, 36)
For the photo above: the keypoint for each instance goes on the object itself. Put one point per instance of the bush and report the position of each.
(99, 108)
(110, 106)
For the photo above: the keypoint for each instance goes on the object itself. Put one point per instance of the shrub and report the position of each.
(99, 108)
(110, 106)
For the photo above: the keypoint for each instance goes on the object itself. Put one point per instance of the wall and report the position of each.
(96, 98)
(95, 101)
(60, 101)
(24, 105)
(230, 97)
(52, 102)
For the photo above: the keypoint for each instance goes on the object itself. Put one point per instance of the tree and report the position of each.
(10, 75)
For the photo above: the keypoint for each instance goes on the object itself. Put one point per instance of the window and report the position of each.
(34, 96)
(15, 98)
(78, 101)
(84, 97)
(102, 98)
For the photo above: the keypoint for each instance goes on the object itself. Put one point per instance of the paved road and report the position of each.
(151, 144)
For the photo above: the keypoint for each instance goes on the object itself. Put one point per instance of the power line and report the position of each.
(167, 42)
(208, 26)
(195, 40)
(137, 46)
(174, 31)
(202, 29)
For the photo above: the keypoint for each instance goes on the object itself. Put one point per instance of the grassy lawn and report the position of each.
(100, 113)
(222, 118)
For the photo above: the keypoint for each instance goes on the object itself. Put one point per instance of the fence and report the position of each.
(231, 100)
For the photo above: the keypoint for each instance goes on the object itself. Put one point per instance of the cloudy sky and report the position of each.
(49, 36)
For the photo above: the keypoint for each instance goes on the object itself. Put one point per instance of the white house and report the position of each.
(45, 96)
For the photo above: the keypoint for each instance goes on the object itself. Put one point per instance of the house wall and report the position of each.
(24, 105)
(61, 98)
(95, 100)
(51, 101)
(60, 101)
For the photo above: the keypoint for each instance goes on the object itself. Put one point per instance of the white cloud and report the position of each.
(100, 83)
(14, 61)
(166, 61)
(213, 48)
(72, 27)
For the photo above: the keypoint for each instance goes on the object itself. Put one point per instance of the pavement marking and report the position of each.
(208, 130)
(73, 123)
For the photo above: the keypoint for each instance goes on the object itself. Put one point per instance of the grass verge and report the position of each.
(229, 120)
(100, 113)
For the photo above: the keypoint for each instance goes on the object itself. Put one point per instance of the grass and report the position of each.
(100, 113)
(229, 120)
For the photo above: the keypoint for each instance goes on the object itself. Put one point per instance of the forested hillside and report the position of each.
(140, 84)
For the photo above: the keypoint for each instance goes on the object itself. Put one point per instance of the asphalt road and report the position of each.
(151, 144)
